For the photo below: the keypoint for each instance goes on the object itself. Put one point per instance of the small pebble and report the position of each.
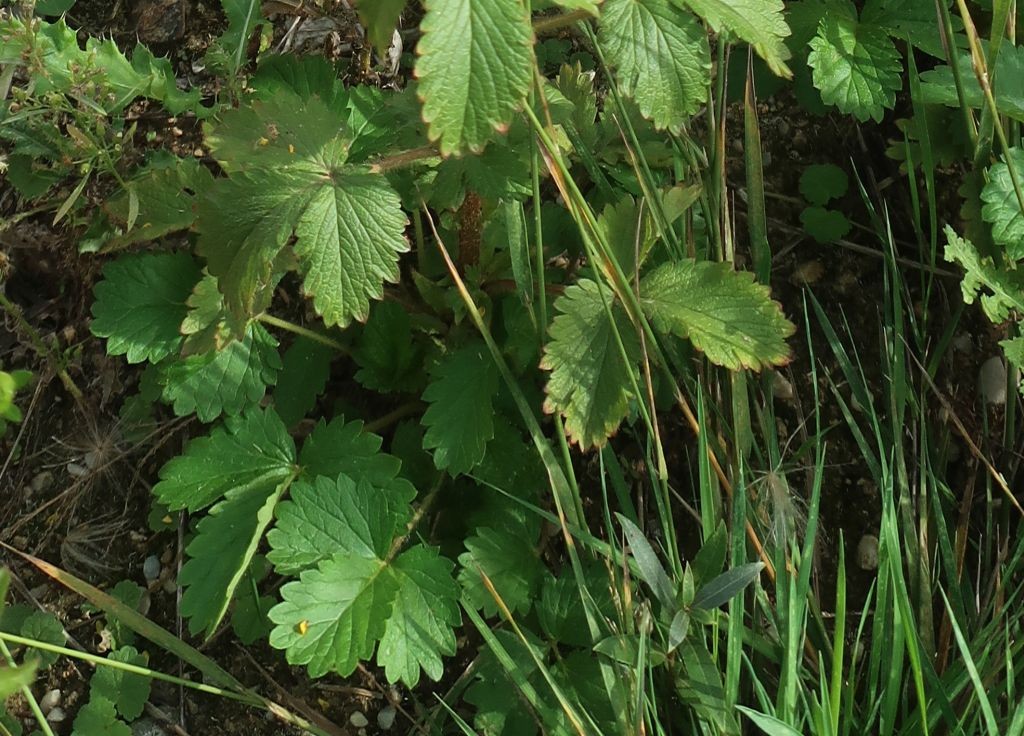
(386, 717)
(992, 381)
(49, 701)
(151, 568)
(147, 727)
(358, 720)
(42, 481)
(782, 388)
(867, 552)
(76, 471)
(56, 715)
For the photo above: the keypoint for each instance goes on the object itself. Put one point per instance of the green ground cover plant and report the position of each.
(485, 399)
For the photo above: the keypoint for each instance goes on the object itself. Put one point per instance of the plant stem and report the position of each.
(41, 349)
(284, 324)
(127, 667)
(26, 693)
(555, 22)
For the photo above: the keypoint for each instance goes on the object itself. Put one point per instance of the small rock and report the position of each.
(992, 381)
(782, 388)
(56, 715)
(42, 482)
(151, 568)
(49, 701)
(386, 717)
(358, 720)
(147, 727)
(867, 552)
(76, 471)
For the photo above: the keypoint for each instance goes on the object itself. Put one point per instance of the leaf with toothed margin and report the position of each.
(661, 54)
(289, 179)
(724, 313)
(590, 381)
(474, 69)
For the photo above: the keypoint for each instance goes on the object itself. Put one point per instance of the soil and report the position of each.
(75, 490)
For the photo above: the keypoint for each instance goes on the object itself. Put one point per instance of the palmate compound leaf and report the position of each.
(661, 54)
(590, 382)
(141, 302)
(244, 468)
(758, 22)
(475, 61)
(724, 313)
(331, 618)
(327, 516)
(288, 177)
(856, 66)
(459, 418)
(1002, 207)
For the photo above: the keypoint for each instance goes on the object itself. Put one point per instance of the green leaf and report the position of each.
(223, 382)
(938, 86)
(421, 628)
(303, 76)
(1002, 208)
(758, 22)
(64, 65)
(339, 447)
(165, 195)
(249, 619)
(475, 64)
(140, 304)
(389, 359)
(12, 680)
(221, 551)
(45, 627)
(459, 418)
(328, 516)
(725, 587)
(331, 618)
(1005, 287)
(648, 565)
(856, 66)
(380, 18)
(126, 690)
(305, 368)
(769, 725)
(243, 17)
(824, 225)
(253, 451)
(662, 57)
(913, 20)
(290, 178)
(508, 558)
(53, 7)
(590, 382)
(99, 718)
(822, 182)
(560, 609)
(726, 315)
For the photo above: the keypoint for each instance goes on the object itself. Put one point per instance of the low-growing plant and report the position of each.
(402, 316)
